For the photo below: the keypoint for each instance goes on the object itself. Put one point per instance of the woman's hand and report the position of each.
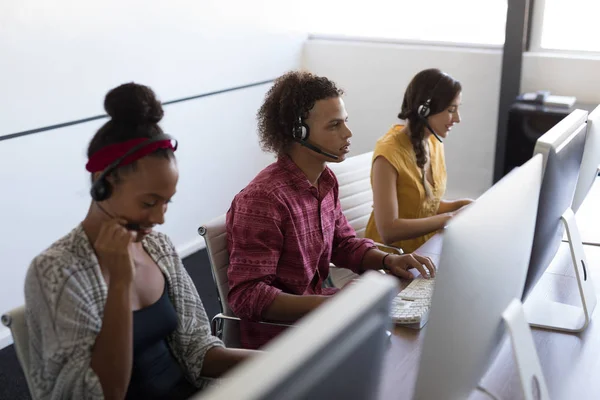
(113, 251)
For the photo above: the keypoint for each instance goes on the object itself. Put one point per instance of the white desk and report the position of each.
(570, 362)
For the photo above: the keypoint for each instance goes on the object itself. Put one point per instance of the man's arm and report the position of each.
(398, 265)
(290, 308)
(255, 245)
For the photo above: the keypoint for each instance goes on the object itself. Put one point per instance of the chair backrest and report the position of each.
(15, 320)
(356, 195)
(215, 236)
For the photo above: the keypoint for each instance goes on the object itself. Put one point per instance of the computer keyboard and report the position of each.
(411, 306)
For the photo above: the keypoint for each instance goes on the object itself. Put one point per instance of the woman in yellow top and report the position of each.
(409, 170)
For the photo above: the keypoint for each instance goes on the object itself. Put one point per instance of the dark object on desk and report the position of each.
(526, 123)
(538, 97)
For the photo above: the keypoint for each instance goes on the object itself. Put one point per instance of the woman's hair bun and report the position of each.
(133, 104)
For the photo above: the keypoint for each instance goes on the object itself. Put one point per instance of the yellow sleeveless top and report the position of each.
(413, 200)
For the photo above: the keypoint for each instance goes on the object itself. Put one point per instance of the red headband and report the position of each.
(111, 153)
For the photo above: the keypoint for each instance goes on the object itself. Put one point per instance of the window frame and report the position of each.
(398, 41)
(358, 37)
(535, 39)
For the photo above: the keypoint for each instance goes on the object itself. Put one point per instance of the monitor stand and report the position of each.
(532, 379)
(557, 316)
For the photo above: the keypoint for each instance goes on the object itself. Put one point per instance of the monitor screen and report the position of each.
(336, 352)
(482, 269)
(562, 152)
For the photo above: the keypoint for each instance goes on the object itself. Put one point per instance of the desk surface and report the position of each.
(571, 363)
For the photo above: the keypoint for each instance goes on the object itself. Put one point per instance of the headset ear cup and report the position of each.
(101, 190)
(304, 130)
(424, 110)
(296, 132)
(300, 131)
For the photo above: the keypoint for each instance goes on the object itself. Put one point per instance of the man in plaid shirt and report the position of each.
(287, 225)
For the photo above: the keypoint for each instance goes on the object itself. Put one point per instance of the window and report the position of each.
(569, 25)
(478, 22)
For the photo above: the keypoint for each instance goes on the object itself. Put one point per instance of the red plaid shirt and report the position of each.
(282, 234)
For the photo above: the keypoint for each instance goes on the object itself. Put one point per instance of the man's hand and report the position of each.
(399, 265)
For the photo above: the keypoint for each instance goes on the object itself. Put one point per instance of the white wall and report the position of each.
(375, 76)
(59, 57)
(58, 62)
(563, 75)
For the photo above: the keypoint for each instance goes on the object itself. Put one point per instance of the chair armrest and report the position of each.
(6, 320)
(223, 317)
(220, 317)
(275, 324)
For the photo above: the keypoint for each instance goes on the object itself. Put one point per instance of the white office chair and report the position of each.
(15, 321)
(356, 199)
(225, 324)
(356, 196)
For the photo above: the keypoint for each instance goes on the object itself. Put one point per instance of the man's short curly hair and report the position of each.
(293, 95)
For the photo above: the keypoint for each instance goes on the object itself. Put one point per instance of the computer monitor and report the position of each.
(336, 352)
(562, 148)
(590, 161)
(482, 269)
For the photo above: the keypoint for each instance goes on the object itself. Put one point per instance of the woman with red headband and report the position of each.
(111, 311)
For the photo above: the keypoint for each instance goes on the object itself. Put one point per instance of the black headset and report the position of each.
(424, 110)
(301, 132)
(101, 188)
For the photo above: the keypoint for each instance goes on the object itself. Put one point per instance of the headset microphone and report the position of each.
(129, 226)
(432, 131)
(133, 227)
(316, 149)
